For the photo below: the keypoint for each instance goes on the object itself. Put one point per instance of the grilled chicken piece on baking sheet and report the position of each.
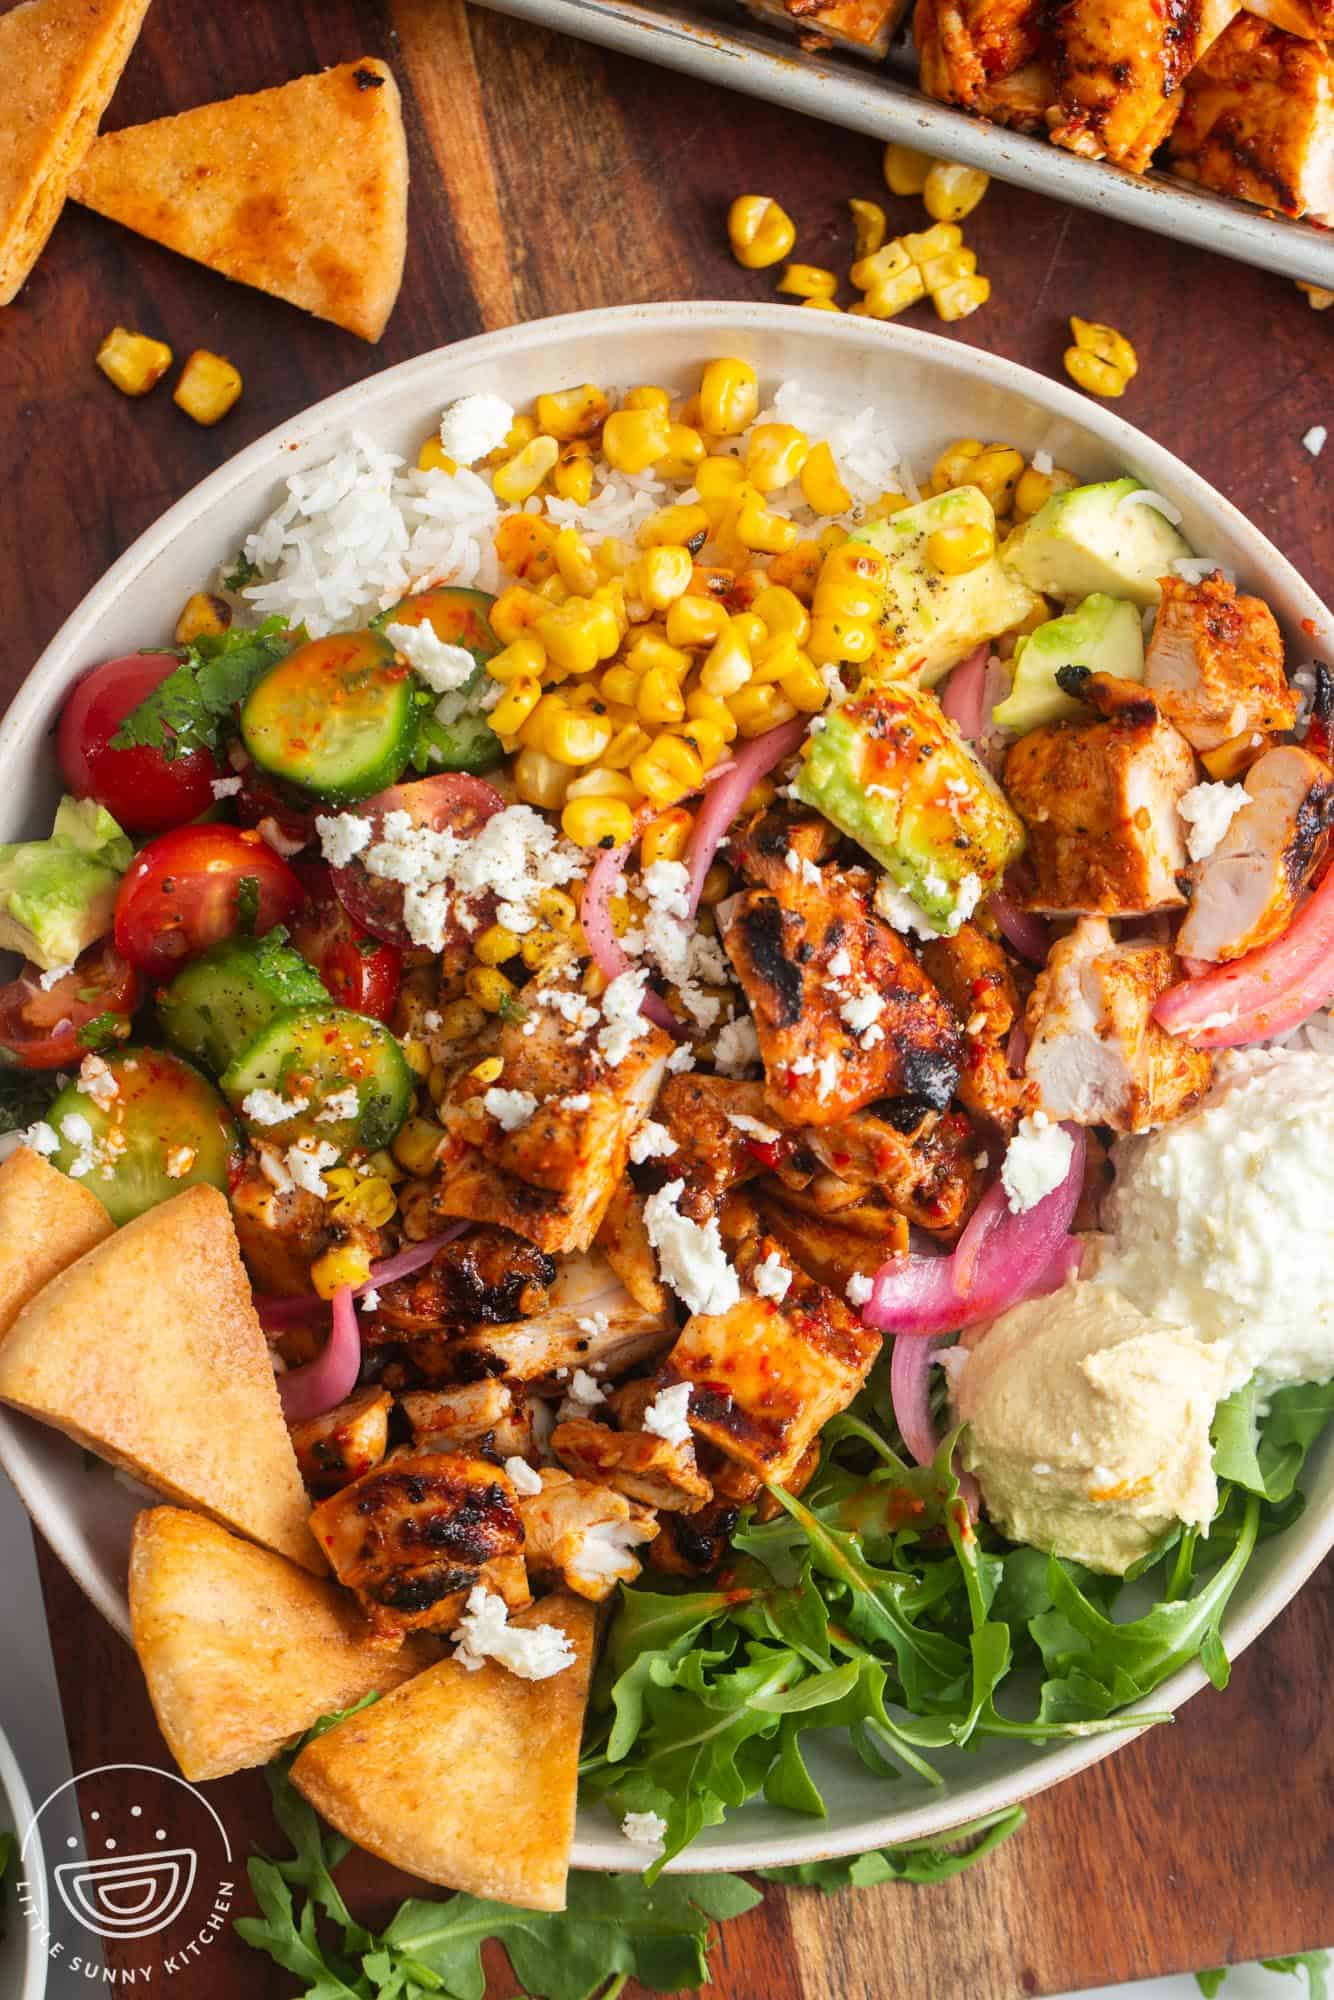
(867, 27)
(1215, 663)
(985, 55)
(1256, 121)
(1118, 67)
(1247, 890)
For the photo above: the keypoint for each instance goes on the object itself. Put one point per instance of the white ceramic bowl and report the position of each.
(931, 392)
(23, 1960)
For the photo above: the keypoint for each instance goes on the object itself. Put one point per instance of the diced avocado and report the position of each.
(890, 772)
(1105, 634)
(930, 620)
(1088, 539)
(220, 1001)
(57, 896)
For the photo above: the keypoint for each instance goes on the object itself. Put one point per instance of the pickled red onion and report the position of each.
(1268, 992)
(963, 696)
(1020, 928)
(278, 1313)
(324, 1383)
(723, 803)
(909, 1390)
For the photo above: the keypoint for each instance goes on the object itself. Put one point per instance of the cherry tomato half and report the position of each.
(145, 790)
(183, 892)
(450, 799)
(359, 971)
(40, 1026)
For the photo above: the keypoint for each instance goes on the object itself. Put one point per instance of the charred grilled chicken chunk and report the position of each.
(280, 1235)
(583, 1535)
(1099, 799)
(1247, 889)
(1256, 120)
(1118, 67)
(413, 1537)
(488, 1275)
(1215, 663)
(976, 978)
(922, 1163)
(820, 1067)
(839, 1247)
(490, 1417)
(723, 1131)
(623, 1241)
(767, 1375)
(636, 1462)
(338, 1447)
(985, 54)
(695, 1544)
(591, 1321)
(1095, 1053)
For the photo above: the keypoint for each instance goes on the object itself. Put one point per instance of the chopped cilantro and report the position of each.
(103, 1030)
(244, 572)
(247, 904)
(193, 707)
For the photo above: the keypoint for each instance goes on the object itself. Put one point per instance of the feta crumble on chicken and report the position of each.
(754, 1128)
(511, 1109)
(443, 667)
(651, 1142)
(665, 1416)
(532, 1652)
(623, 1021)
(583, 1394)
(522, 1477)
(691, 1256)
(859, 1289)
(736, 1047)
(1209, 811)
(475, 426)
(1036, 1161)
(772, 1278)
(516, 856)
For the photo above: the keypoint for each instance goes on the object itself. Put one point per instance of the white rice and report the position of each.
(867, 457)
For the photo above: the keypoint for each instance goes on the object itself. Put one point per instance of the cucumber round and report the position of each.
(458, 617)
(337, 717)
(219, 1002)
(315, 1054)
(165, 1129)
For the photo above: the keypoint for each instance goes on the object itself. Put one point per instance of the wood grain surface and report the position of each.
(548, 176)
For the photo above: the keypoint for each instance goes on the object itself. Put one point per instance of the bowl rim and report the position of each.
(14, 1791)
(356, 405)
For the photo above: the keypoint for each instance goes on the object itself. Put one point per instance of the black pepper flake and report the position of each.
(368, 79)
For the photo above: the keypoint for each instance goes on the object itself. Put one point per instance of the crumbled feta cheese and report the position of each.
(966, 899)
(573, 1009)
(651, 1142)
(474, 426)
(691, 1257)
(47, 980)
(273, 836)
(443, 667)
(826, 1077)
(861, 1012)
(1043, 463)
(583, 1394)
(97, 1081)
(274, 1169)
(593, 1324)
(665, 1416)
(681, 1058)
(509, 1108)
(859, 1289)
(178, 1161)
(580, 1102)
(897, 907)
(1037, 1160)
(736, 1047)
(840, 965)
(533, 1652)
(338, 1105)
(306, 1162)
(266, 1107)
(224, 788)
(607, 1549)
(516, 856)
(1314, 439)
(522, 1477)
(772, 1278)
(799, 865)
(41, 1138)
(644, 1829)
(342, 836)
(78, 1133)
(1209, 811)
(369, 1300)
(754, 1128)
(623, 1022)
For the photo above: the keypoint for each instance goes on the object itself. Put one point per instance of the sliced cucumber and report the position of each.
(165, 1129)
(220, 1002)
(458, 617)
(469, 743)
(337, 717)
(313, 1056)
(455, 735)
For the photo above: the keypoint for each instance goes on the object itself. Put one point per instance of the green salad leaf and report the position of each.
(934, 1859)
(26, 1095)
(1315, 1965)
(194, 706)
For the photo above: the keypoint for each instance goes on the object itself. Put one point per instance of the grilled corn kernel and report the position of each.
(649, 647)
(659, 698)
(371, 1201)
(460, 1021)
(495, 945)
(515, 612)
(572, 736)
(634, 440)
(516, 705)
(666, 837)
(620, 684)
(804, 687)
(610, 557)
(685, 450)
(869, 227)
(132, 361)
(729, 396)
(808, 281)
(891, 260)
(775, 456)
(647, 396)
(579, 633)
(821, 487)
(572, 474)
(433, 458)
(629, 742)
(718, 478)
(711, 709)
(781, 610)
(555, 589)
(597, 822)
(954, 467)
(758, 709)
(963, 297)
(937, 272)
(951, 191)
(417, 1146)
(831, 538)
(437, 1083)
(705, 736)
(489, 988)
(759, 798)
(669, 770)
(202, 617)
(695, 621)
(574, 562)
(750, 627)
(594, 982)
(601, 782)
(526, 544)
(572, 413)
(924, 244)
(521, 432)
(519, 478)
(906, 169)
(728, 665)
(997, 470)
(798, 569)
(488, 1070)
(717, 885)
(416, 1055)
(1092, 374)
(954, 551)
(759, 231)
(834, 640)
(774, 657)
(539, 780)
(538, 947)
(664, 575)
(207, 386)
(758, 527)
(893, 295)
(1104, 341)
(1317, 297)
(522, 660)
(345, 1263)
(821, 305)
(681, 525)
(557, 911)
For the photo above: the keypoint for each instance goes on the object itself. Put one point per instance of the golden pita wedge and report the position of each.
(466, 1779)
(47, 1221)
(148, 1352)
(60, 60)
(240, 1649)
(301, 191)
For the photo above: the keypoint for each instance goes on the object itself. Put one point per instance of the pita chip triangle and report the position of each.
(466, 1778)
(47, 1221)
(60, 60)
(148, 1352)
(300, 190)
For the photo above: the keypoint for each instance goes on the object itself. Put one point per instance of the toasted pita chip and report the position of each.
(148, 1351)
(466, 1779)
(47, 1221)
(240, 1649)
(301, 191)
(60, 60)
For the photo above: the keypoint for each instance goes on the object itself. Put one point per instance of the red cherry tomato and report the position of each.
(450, 799)
(40, 1026)
(145, 790)
(182, 893)
(262, 798)
(359, 971)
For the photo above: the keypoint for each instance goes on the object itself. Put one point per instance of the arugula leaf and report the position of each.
(193, 707)
(1266, 1459)
(25, 1096)
(1210, 1981)
(934, 1859)
(1316, 1966)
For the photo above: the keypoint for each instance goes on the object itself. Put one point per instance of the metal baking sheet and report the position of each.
(715, 42)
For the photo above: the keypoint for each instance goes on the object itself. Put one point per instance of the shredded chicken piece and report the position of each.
(582, 1534)
(1256, 120)
(985, 55)
(636, 1463)
(977, 979)
(1118, 67)
(623, 1241)
(490, 1416)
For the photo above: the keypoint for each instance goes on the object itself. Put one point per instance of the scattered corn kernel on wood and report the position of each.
(134, 362)
(1101, 360)
(759, 231)
(208, 386)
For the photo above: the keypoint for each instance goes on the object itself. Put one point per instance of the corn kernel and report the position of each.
(521, 432)
(821, 305)
(572, 413)
(202, 616)
(685, 450)
(538, 947)
(1109, 345)
(924, 244)
(539, 780)
(575, 564)
(712, 711)
(951, 191)
(132, 361)
(597, 822)
(647, 396)
(461, 1020)
(526, 545)
(804, 687)
(954, 467)
(634, 440)
(666, 837)
(997, 471)
(695, 621)
(601, 782)
(1035, 489)
(434, 458)
(490, 989)
(834, 640)
(832, 537)
(937, 272)
(650, 647)
(513, 616)
(728, 665)
(891, 260)
(522, 660)
(207, 386)
(956, 550)
(416, 1055)
(1317, 296)
(718, 478)
(659, 698)
(572, 736)
(437, 1085)
(759, 231)
(905, 168)
(344, 1263)
(371, 1201)
(629, 742)
(515, 706)
(892, 296)
(757, 527)
(963, 297)
(798, 569)
(729, 396)
(594, 982)
(821, 487)
(775, 456)
(572, 474)
(495, 945)
(418, 1144)
(774, 657)
(780, 610)
(669, 770)
(520, 477)
(579, 633)
(664, 575)
(758, 709)
(683, 525)
(808, 281)
(869, 227)
(1092, 374)
(717, 885)
(490, 1068)
(620, 685)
